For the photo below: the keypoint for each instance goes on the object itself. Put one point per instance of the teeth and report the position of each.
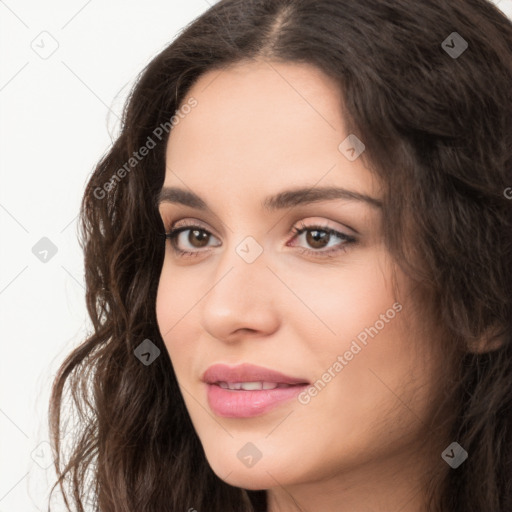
(251, 386)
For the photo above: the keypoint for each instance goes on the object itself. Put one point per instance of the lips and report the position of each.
(252, 386)
(246, 390)
(248, 373)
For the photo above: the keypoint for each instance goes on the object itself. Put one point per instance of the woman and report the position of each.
(298, 264)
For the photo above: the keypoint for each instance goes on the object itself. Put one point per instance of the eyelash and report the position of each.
(347, 239)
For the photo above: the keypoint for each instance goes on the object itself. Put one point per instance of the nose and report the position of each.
(242, 301)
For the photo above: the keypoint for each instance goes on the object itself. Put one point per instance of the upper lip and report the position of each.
(247, 373)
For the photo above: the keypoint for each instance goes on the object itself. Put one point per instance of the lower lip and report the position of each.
(246, 404)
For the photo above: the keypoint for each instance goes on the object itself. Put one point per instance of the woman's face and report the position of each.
(318, 307)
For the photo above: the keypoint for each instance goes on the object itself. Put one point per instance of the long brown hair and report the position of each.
(435, 117)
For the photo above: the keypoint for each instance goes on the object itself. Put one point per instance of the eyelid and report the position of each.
(346, 239)
(310, 223)
(323, 223)
(185, 214)
(189, 222)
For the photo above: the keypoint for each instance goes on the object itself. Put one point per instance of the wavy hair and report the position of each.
(437, 130)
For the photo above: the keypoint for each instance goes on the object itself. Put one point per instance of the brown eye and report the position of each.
(197, 238)
(318, 237)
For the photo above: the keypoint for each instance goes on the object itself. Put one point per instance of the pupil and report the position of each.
(315, 239)
(202, 236)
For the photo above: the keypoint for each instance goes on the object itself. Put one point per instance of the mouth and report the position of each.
(246, 390)
(252, 386)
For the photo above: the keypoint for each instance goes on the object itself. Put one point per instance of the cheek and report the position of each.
(173, 314)
(176, 296)
(342, 302)
(369, 356)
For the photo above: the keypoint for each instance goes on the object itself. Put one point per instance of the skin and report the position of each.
(360, 444)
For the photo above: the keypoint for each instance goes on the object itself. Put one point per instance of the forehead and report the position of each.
(263, 122)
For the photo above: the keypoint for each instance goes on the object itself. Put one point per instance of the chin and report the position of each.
(263, 475)
(246, 479)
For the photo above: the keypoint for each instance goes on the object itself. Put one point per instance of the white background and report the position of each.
(59, 114)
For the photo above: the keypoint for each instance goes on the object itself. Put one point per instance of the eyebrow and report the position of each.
(282, 200)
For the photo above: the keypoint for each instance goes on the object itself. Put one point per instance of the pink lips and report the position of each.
(240, 403)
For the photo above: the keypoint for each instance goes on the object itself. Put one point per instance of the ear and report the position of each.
(492, 339)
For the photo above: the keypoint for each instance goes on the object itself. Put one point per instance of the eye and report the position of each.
(317, 237)
(198, 237)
